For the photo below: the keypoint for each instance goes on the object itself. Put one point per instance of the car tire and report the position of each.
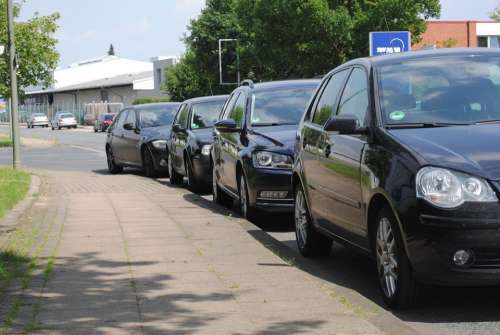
(174, 177)
(310, 242)
(399, 287)
(219, 196)
(95, 130)
(246, 210)
(148, 166)
(193, 184)
(113, 168)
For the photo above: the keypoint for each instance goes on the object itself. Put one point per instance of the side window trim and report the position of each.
(242, 94)
(176, 117)
(230, 105)
(367, 80)
(312, 107)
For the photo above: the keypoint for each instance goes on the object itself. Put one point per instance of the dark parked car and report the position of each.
(399, 156)
(191, 140)
(253, 145)
(103, 121)
(138, 138)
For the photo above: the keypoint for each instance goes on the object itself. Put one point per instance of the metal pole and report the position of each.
(238, 61)
(16, 161)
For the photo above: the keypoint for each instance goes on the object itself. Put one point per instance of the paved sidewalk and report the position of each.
(139, 257)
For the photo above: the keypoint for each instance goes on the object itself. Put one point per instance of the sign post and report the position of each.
(389, 42)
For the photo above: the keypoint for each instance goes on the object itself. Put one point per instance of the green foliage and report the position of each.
(13, 187)
(448, 43)
(495, 14)
(5, 141)
(149, 100)
(36, 54)
(281, 39)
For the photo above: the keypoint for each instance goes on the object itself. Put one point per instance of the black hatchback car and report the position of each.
(253, 145)
(190, 142)
(399, 156)
(138, 138)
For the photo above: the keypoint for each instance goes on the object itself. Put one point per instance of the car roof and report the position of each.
(207, 99)
(422, 54)
(282, 84)
(159, 104)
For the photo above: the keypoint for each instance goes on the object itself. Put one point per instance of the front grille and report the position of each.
(486, 258)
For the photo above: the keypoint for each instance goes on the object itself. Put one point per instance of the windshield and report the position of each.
(445, 90)
(283, 106)
(156, 116)
(65, 116)
(205, 114)
(109, 117)
(38, 115)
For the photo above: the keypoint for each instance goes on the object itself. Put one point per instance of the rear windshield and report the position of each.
(205, 114)
(65, 116)
(449, 89)
(156, 116)
(283, 106)
(109, 117)
(37, 114)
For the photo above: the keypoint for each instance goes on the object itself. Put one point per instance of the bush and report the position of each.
(149, 100)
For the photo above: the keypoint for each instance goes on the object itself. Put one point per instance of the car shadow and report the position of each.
(353, 271)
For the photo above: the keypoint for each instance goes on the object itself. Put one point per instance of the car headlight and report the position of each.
(449, 189)
(205, 150)
(159, 144)
(271, 160)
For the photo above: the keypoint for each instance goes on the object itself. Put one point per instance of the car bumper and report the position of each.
(202, 169)
(160, 160)
(67, 124)
(440, 235)
(268, 180)
(39, 123)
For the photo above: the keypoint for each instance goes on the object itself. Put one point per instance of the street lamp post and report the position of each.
(16, 161)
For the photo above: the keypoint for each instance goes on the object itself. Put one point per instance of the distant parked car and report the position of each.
(138, 138)
(398, 157)
(103, 121)
(252, 153)
(191, 140)
(38, 120)
(63, 120)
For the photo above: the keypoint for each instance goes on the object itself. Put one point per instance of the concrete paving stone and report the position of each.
(96, 330)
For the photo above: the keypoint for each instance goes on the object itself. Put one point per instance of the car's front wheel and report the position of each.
(219, 196)
(399, 287)
(246, 210)
(174, 177)
(193, 183)
(147, 164)
(310, 242)
(113, 168)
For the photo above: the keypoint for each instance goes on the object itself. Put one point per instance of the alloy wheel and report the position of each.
(215, 190)
(243, 197)
(387, 262)
(301, 219)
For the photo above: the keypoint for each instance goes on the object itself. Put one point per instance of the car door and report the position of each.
(131, 139)
(116, 134)
(179, 138)
(311, 132)
(231, 143)
(340, 162)
(219, 141)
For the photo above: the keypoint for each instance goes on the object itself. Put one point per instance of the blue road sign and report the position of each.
(388, 42)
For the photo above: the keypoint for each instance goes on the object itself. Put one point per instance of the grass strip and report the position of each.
(5, 141)
(14, 185)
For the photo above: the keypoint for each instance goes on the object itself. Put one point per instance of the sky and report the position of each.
(141, 29)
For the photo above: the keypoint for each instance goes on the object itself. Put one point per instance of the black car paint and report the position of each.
(380, 168)
(232, 153)
(185, 144)
(129, 145)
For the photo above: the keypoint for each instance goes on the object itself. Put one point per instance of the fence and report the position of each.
(84, 113)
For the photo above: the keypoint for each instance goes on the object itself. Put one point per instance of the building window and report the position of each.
(104, 95)
(482, 41)
(159, 77)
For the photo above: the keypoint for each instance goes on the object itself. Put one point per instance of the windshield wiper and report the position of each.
(487, 122)
(425, 125)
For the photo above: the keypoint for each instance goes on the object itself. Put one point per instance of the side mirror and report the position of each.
(226, 126)
(345, 125)
(129, 126)
(177, 128)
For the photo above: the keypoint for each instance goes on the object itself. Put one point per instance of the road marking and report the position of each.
(100, 152)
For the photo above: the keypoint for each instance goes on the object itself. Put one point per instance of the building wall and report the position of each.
(464, 32)
(123, 94)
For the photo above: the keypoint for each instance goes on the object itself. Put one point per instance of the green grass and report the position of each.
(5, 141)
(13, 187)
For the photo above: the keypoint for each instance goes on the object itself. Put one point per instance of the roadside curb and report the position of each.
(11, 218)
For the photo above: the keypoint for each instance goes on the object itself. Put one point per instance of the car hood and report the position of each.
(274, 136)
(155, 133)
(204, 135)
(474, 149)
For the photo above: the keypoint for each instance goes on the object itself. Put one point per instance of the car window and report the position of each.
(238, 111)
(120, 121)
(157, 115)
(326, 104)
(182, 118)
(66, 116)
(108, 117)
(229, 105)
(280, 106)
(354, 99)
(131, 118)
(204, 115)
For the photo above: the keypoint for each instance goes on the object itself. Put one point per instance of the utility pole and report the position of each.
(14, 119)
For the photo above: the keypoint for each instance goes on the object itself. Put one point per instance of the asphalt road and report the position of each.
(446, 310)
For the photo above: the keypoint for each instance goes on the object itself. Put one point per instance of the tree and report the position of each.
(111, 51)
(495, 14)
(281, 39)
(36, 54)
